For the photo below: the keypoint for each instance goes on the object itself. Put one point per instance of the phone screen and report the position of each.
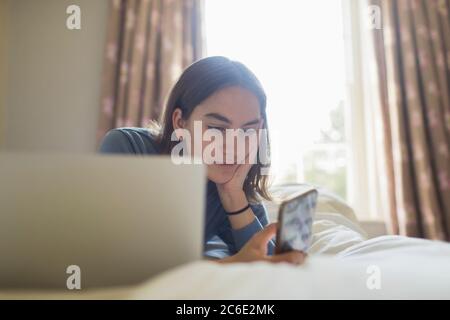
(295, 229)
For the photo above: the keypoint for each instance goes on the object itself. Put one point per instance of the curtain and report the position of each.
(149, 44)
(411, 52)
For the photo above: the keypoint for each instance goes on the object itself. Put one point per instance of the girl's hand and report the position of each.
(231, 192)
(256, 250)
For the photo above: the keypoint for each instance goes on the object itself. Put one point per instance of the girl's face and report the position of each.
(229, 108)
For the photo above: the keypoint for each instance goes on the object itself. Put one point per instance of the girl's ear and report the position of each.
(178, 123)
(177, 119)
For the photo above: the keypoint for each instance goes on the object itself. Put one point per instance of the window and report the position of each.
(298, 50)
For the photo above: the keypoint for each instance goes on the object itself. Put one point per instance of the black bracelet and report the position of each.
(239, 211)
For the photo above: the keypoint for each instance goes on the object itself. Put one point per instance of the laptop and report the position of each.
(96, 220)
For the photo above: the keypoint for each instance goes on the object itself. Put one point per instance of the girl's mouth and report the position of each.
(226, 165)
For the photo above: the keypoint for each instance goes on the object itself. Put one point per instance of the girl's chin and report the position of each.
(221, 173)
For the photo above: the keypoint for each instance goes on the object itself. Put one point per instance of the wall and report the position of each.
(54, 80)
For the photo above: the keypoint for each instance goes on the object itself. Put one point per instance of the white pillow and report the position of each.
(327, 202)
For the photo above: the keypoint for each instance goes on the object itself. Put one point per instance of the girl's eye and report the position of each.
(217, 128)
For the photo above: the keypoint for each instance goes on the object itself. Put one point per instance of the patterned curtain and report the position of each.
(412, 51)
(149, 44)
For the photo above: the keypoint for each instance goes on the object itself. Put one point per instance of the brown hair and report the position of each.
(199, 81)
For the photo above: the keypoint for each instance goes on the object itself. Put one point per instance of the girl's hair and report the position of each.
(199, 81)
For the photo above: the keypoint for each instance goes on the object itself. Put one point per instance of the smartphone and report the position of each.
(295, 219)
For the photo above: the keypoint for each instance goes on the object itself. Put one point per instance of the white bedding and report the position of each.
(409, 269)
(340, 265)
(418, 274)
(337, 268)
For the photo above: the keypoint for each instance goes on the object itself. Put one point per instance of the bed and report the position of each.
(343, 263)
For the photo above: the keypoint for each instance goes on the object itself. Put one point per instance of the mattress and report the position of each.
(342, 263)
